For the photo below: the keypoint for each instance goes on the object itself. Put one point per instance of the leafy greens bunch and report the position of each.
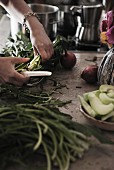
(22, 47)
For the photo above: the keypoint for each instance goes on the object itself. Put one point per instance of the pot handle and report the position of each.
(76, 10)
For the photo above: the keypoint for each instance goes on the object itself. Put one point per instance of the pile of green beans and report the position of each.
(32, 124)
(37, 128)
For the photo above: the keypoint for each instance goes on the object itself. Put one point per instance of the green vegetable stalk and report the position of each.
(35, 63)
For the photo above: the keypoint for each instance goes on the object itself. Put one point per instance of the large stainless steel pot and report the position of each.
(68, 23)
(89, 22)
(48, 15)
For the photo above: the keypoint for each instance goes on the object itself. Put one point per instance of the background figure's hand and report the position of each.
(41, 42)
(8, 74)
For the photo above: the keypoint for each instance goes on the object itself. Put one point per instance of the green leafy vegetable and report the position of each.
(22, 47)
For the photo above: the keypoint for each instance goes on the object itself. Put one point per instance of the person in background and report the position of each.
(41, 42)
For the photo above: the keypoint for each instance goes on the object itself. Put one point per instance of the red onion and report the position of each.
(89, 74)
(68, 60)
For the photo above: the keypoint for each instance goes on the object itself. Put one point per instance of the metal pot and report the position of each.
(48, 15)
(89, 22)
(67, 24)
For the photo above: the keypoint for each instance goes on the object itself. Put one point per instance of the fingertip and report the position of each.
(17, 60)
(26, 59)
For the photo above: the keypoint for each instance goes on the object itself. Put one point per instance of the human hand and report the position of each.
(8, 74)
(41, 42)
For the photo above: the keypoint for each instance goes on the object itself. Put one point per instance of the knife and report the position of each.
(36, 73)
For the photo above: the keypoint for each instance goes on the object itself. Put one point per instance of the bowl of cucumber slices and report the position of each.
(98, 107)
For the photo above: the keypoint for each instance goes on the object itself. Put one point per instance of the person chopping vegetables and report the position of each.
(40, 41)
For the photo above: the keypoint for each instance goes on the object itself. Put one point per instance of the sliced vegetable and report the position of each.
(87, 107)
(110, 93)
(106, 88)
(105, 98)
(85, 95)
(106, 117)
(98, 106)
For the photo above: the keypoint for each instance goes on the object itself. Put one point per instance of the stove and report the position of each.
(75, 44)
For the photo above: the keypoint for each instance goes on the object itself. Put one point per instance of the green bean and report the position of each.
(10, 112)
(72, 157)
(81, 140)
(53, 137)
(4, 108)
(34, 119)
(61, 128)
(79, 134)
(20, 133)
(59, 161)
(61, 138)
(52, 113)
(76, 148)
(67, 155)
(47, 156)
(39, 137)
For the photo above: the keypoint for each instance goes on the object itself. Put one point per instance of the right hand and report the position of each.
(8, 74)
(40, 41)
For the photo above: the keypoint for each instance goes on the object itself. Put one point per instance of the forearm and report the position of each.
(39, 38)
(17, 9)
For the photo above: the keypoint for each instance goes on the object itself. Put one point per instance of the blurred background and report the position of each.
(77, 20)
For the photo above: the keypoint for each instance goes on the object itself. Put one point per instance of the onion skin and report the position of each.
(89, 74)
(68, 60)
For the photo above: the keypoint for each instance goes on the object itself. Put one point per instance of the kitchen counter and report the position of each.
(99, 157)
